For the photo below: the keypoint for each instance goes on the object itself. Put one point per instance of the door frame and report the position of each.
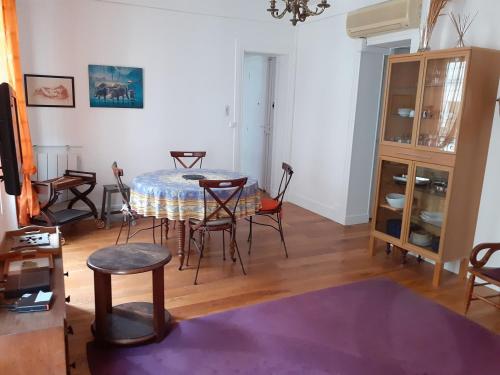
(284, 85)
(264, 185)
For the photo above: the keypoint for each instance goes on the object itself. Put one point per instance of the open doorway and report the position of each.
(362, 177)
(258, 103)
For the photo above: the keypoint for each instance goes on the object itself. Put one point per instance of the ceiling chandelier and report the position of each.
(299, 8)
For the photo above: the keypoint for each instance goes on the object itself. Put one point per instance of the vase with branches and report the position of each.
(435, 10)
(462, 24)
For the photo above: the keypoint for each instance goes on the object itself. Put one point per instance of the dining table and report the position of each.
(175, 194)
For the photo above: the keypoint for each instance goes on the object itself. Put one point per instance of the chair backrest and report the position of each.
(221, 196)
(118, 173)
(285, 181)
(196, 155)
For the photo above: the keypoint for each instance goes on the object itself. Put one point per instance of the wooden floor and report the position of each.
(322, 254)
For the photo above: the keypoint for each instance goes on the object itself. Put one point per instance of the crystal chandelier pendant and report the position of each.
(298, 8)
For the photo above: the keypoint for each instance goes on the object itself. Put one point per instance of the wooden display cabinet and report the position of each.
(437, 118)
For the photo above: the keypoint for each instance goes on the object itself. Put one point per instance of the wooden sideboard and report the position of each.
(36, 342)
(436, 126)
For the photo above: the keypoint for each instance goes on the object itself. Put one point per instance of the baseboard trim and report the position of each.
(357, 219)
(319, 208)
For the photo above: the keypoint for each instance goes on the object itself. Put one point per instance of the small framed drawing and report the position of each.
(49, 91)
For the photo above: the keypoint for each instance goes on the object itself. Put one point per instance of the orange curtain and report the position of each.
(10, 71)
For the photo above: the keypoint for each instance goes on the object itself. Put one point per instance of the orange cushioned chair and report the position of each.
(272, 208)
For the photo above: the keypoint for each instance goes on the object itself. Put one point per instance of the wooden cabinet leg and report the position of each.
(468, 292)
(462, 274)
(371, 246)
(438, 271)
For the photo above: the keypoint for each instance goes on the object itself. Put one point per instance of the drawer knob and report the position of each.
(68, 299)
(70, 330)
(66, 274)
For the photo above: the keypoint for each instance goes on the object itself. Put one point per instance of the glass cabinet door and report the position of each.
(442, 99)
(391, 198)
(428, 207)
(401, 101)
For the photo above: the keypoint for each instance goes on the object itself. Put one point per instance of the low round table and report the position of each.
(134, 322)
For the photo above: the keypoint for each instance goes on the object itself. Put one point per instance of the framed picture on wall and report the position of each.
(115, 86)
(49, 91)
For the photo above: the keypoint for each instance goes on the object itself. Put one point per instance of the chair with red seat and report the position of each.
(272, 208)
(179, 157)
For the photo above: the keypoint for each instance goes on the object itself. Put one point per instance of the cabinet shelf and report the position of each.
(390, 208)
(435, 230)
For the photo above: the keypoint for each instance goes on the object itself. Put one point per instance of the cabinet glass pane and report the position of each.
(428, 205)
(401, 101)
(443, 88)
(391, 199)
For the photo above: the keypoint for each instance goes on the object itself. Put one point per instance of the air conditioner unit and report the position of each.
(389, 16)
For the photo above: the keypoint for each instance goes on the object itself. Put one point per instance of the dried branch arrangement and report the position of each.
(436, 7)
(462, 24)
(435, 10)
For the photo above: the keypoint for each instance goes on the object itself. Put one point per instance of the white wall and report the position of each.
(327, 75)
(190, 64)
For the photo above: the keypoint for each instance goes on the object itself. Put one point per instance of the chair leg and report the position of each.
(468, 292)
(190, 238)
(235, 244)
(223, 245)
(120, 232)
(201, 256)
(250, 236)
(282, 234)
(128, 228)
(161, 231)
(154, 230)
(166, 228)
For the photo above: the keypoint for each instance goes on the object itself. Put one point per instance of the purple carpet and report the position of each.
(370, 327)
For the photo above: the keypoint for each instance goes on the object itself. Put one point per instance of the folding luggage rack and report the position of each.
(52, 189)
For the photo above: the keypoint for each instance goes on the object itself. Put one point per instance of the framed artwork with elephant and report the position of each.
(115, 86)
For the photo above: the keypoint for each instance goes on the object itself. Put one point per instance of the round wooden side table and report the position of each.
(134, 322)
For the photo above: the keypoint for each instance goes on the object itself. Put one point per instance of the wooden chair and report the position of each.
(179, 155)
(130, 216)
(490, 275)
(221, 218)
(271, 208)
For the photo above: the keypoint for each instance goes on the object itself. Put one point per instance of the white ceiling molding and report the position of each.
(237, 9)
(249, 10)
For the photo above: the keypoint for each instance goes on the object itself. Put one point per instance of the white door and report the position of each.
(258, 107)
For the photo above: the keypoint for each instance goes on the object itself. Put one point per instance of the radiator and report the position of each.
(52, 162)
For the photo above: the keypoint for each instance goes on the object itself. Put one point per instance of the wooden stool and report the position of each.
(134, 322)
(107, 193)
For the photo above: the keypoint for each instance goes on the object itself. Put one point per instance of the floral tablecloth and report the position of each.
(167, 194)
